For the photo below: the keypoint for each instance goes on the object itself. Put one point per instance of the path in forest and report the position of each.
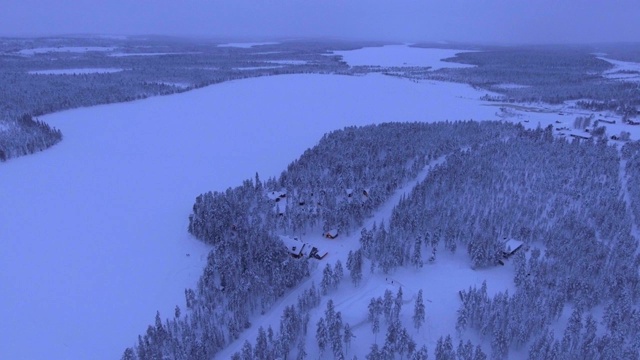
(338, 250)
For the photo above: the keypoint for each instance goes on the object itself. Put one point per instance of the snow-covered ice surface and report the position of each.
(622, 70)
(247, 45)
(70, 49)
(512, 86)
(78, 71)
(94, 234)
(94, 239)
(289, 62)
(258, 68)
(401, 55)
(121, 54)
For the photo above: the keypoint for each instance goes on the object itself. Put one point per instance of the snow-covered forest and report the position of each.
(564, 200)
(407, 230)
(333, 185)
(90, 71)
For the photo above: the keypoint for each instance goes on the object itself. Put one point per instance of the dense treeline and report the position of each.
(631, 161)
(338, 183)
(550, 74)
(26, 136)
(563, 197)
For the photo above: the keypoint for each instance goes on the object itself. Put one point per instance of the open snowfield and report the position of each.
(151, 54)
(401, 55)
(94, 229)
(70, 49)
(622, 70)
(247, 45)
(79, 71)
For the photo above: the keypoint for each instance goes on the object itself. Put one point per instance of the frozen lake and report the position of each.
(94, 229)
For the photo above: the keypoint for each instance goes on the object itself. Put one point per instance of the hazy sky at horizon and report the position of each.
(496, 21)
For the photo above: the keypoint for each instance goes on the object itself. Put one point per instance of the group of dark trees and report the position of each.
(550, 74)
(24, 136)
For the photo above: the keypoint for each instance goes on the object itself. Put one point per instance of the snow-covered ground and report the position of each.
(401, 55)
(258, 68)
(289, 62)
(247, 45)
(94, 236)
(71, 49)
(622, 70)
(512, 86)
(78, 71)
(121, 54)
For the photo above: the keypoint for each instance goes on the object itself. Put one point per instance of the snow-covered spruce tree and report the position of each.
(418, 311)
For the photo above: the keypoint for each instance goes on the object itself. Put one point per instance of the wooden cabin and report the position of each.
(331, 234)
(511, 246)
(316, 253)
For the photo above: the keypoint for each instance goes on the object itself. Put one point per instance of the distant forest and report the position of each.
(551, 74)
(179, 65)
(573, 204)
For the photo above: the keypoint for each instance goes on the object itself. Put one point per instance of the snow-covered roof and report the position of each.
(512, 245)
(294, 245)
(331, 233)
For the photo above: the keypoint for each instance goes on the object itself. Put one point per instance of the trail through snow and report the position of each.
(440, 283)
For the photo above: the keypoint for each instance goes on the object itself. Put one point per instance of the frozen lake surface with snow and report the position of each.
(95, 240)
(401, 55)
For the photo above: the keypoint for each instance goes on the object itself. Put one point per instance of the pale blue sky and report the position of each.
(541, 21)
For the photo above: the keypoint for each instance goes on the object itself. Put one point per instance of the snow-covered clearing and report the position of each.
(247, 45)
(78, 71)
(152, 54)
(512, 86)
(289, 62)
(70, 49)
(258, 68)
(401, 55)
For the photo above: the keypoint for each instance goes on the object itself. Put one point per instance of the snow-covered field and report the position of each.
(246, 45)
(248, 68)
(120, 54)
(289, 62)
(70, 49)
(401, 55)
(78, 71)
(94, 238)
(622, 70)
